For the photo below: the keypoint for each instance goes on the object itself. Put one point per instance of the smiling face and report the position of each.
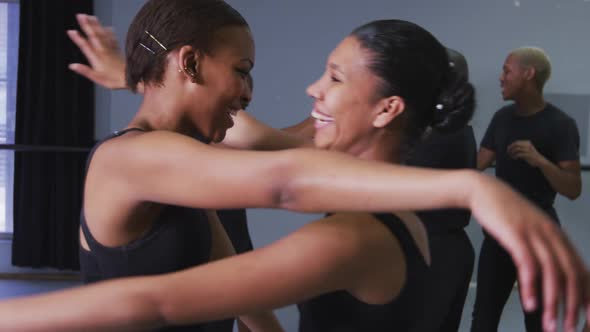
(347, 104)
(223, 81)
(513, 78)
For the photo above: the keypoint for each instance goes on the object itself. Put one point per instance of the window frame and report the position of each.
(4, 235)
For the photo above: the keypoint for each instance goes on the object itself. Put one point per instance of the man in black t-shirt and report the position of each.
(535, 146)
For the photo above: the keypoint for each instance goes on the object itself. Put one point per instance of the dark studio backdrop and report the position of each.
(54, 131)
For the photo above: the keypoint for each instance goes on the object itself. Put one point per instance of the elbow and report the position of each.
(286, 195)
(140, 308)
(170, 312)
(574, 194)
(481, 166)
(574, 191)
(277, 191)
(577, 191)
(291, 183)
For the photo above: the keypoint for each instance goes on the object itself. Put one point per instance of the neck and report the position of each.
(161, 112)
(384, 147)
(530, 102)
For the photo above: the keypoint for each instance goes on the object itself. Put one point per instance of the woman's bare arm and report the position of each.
(321, 257)
(250, 134)
(174, 169)
(526, 233)
(304, 129)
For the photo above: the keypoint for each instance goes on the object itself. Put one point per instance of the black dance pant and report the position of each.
(447, 281)
(496, 275)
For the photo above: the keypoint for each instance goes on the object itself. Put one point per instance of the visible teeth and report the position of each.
(321, 117)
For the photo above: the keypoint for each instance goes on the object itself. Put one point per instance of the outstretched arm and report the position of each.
(279, 274)
(303, 129)
(317, 181)
(250, 134)
(160, 167)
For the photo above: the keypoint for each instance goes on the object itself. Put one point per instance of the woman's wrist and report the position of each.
(467, 187)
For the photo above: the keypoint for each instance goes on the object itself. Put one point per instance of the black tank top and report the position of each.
(180, 238)
(341, 312)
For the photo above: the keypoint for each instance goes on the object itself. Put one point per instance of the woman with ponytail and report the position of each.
(350, 271)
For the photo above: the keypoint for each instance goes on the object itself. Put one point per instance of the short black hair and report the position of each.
(161, 26)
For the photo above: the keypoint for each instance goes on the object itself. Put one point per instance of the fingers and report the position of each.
(525, 156)
(83, 45)
(573, 271)
(537, 245)
(526, 263)
(110, 39)
(518, 155)
(514, 148)
(563, 275)
(510, 148)
(519, 146)
(562, 269)
(87, 27)
(89, 73)
(97, 36)
(551, 280)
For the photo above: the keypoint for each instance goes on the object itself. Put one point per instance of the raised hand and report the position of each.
(540, 250)
(525, 150)
(107, 65)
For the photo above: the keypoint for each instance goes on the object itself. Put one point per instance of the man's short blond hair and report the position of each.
(536, 58)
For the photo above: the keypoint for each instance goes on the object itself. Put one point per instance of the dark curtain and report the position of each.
(55, 108)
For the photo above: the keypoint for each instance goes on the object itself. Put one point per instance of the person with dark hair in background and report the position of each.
(536, 149)
(453, 255)
(359, 258)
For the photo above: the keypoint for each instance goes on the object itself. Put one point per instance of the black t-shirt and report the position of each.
(554, 135)
(446, 151)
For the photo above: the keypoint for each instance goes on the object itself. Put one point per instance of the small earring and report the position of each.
(192, 73)
(187, 71)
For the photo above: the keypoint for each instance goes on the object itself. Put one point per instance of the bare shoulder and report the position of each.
(137, 152)
(134, 143)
